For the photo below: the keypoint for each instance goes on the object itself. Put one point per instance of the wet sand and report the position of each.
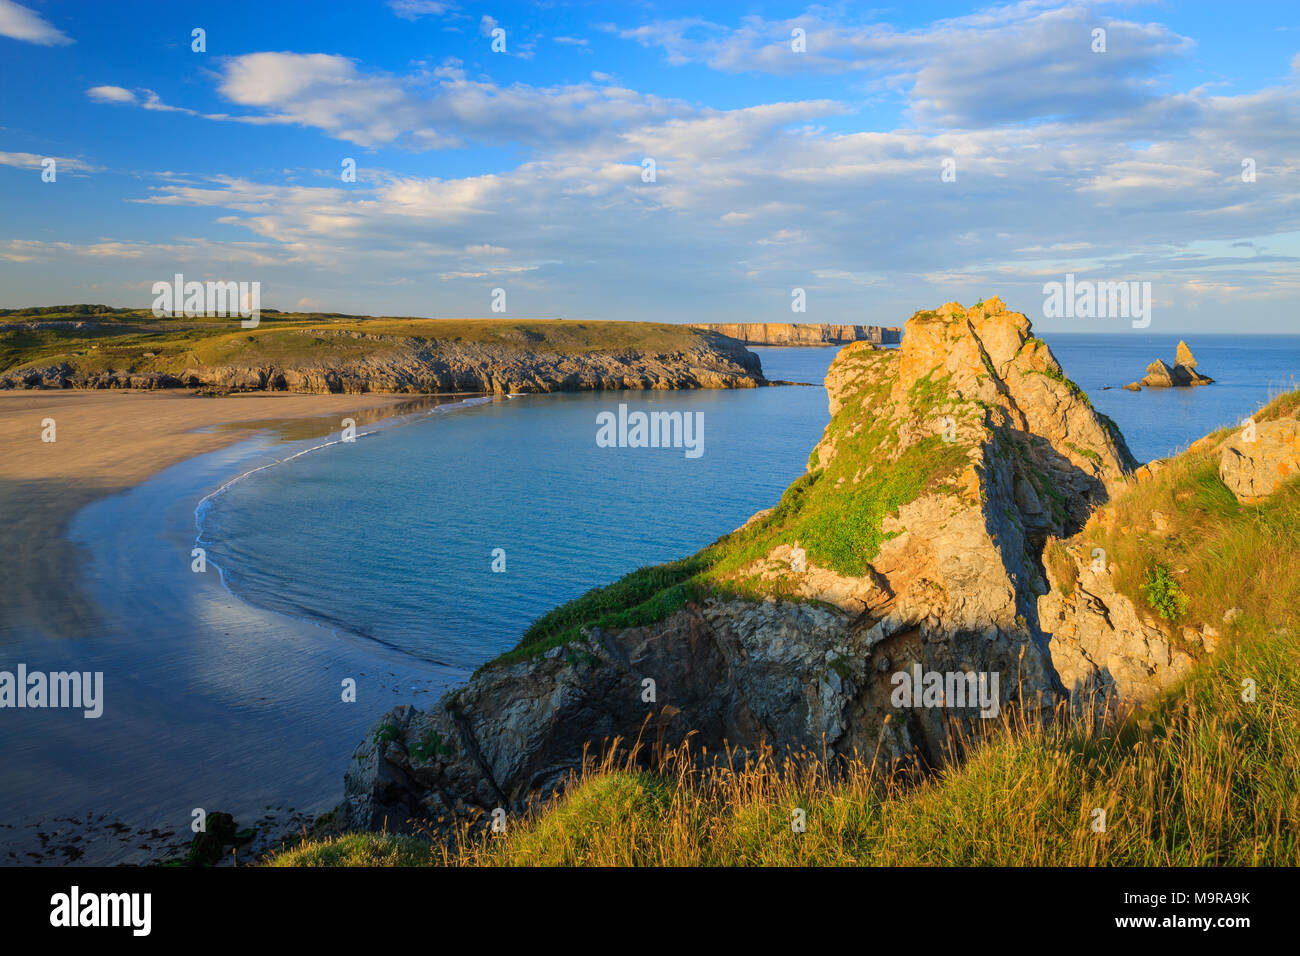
(208, 702)
(105, 442)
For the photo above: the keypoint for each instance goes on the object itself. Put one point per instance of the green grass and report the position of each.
(429, 746)
(1085, 452)
(1216, 552)
(359, 850)
(641, 597)
(1065, 380)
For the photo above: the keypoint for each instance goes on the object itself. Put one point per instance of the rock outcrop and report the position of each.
(1111, 651)
(802, 333)
(912, 546)
(1110, 654)
(1257, 459)
(1182, 373)
(386, 363)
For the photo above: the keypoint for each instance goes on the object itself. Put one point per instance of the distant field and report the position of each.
(97, 338)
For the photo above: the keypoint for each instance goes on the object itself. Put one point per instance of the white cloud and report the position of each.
(36, 161)
(414, 9)
(1011, 63)
(1053, 144)
(438, 109)
(20, 23)
(110, 94)
(756, 201)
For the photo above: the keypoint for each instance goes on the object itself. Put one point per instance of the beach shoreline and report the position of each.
(239, 711)
(103, 447)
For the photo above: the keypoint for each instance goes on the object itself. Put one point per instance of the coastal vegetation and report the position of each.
(1204, 774)
(1184, 545)
(1201, 778)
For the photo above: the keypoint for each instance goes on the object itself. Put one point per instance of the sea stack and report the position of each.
(1182, 373)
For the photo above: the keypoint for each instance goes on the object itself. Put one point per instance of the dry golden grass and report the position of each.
(1218, 553)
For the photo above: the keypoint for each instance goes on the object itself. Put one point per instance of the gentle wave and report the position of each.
(337, 626)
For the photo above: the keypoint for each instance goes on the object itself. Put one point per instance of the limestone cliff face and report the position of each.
(401, 364)
(1256, 460)
(987, 450)
(802, 333)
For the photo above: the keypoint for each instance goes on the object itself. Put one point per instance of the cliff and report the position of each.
(913, 544)
(293, 353)
(784, 333)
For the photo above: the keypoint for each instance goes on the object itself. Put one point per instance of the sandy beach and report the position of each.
(105, 442)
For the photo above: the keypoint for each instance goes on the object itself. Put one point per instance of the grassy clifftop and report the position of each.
(1187, 551)
(137, 342)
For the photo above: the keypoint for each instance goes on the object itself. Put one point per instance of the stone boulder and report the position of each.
(1109, 654)
(1256, 460)
(1159, 375)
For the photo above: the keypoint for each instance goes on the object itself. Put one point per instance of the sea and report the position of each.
(445, 535)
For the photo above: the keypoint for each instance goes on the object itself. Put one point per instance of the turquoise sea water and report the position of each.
(391, 539)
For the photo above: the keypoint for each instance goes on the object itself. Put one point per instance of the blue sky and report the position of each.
(776, 169)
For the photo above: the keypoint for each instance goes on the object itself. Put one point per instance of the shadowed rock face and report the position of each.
(1110, 654)
(398, 364)
(952, 587)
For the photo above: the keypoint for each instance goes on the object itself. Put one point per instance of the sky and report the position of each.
(904, 157)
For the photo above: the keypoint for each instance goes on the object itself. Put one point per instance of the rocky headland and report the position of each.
(915, 540)
(804, 333)
(375, 355)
